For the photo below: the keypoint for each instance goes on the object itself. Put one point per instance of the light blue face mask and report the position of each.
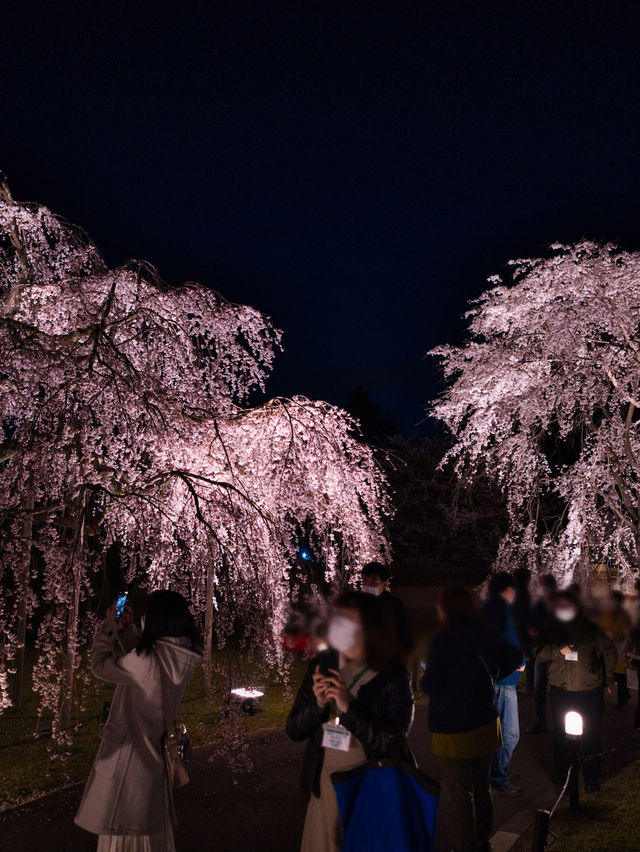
(372, 590)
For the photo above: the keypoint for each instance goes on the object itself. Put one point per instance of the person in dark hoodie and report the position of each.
(498, 611)
(465, 658)
(540, 618)
(523, 617)
(582, 661)
(355, 703)
(376, 581)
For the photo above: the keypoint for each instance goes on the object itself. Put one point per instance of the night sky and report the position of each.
(353, 169)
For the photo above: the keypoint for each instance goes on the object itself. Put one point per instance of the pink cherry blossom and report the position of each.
(544, 397)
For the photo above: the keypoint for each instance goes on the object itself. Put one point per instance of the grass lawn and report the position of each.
(606, 822)
(37, 766)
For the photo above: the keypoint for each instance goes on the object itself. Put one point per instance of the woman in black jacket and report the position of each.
(355, 703)
(465, 659)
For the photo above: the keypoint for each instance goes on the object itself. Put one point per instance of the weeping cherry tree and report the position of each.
(125, 428)
(544, 398)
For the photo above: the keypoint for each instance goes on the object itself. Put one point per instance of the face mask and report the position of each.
(372, 590)
(566, 613)
(343, 633)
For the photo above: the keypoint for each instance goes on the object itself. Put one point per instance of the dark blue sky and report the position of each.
(353, 169)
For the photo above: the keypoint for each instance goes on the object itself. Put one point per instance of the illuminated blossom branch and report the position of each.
(124, 428)
(544, 397)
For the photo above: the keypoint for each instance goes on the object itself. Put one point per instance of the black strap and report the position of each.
(169, 731)
(169, 722)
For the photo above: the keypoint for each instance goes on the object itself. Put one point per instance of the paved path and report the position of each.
(264, 811)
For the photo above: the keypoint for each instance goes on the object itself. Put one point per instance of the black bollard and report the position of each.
(573, 727)
(574, 778)
(540, 831)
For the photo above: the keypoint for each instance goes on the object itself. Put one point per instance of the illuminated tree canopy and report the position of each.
(125, 426)
(544, 397)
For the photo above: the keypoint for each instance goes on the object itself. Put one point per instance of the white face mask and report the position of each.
(344, 633)
(372, 590)
(566, 613)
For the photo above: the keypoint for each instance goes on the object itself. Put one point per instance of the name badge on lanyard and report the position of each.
(336, 736)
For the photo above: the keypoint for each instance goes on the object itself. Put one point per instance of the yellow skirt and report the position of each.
(478, 743)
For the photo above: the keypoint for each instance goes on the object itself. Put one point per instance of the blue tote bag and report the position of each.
(386, 806)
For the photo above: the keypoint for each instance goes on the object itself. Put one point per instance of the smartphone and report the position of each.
(324, 668)
(121, 602)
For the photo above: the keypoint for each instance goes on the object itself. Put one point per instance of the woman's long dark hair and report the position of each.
(167, 614)
(378, 627)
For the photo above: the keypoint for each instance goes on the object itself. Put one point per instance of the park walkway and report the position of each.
(264, 810)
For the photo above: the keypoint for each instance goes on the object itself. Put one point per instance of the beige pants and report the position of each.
(322, 827)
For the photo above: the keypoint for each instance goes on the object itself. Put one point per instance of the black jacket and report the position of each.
(401, 621)
(380, 717)
(597, 655)
(523, 617)
(464, 662)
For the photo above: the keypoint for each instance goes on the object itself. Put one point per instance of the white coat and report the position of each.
(125, 793)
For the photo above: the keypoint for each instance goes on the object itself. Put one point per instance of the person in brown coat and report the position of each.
(125, 800)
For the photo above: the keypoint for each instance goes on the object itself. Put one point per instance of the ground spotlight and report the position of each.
(249, 698)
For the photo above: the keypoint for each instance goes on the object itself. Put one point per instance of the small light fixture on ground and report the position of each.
(573, 728)
(249, 697)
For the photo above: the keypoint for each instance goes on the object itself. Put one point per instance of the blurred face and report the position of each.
(565, 610)
(373, 585)
(345, 632)
(509, 594)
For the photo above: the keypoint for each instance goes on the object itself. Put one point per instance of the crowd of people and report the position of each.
(355, 706)
(569, 653)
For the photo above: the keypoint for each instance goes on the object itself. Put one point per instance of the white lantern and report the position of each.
(573, 724)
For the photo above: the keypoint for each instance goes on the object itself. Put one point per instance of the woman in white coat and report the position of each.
(125, 801)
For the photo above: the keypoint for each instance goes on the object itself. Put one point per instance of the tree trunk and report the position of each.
(23, 592)
(208, 629)
(73, 618)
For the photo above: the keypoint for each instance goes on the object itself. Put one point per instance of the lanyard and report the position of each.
(334, 707)
(356, 679)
